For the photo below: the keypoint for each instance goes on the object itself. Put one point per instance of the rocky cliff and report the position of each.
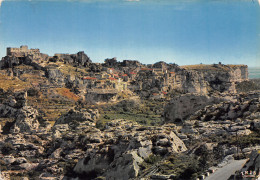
(202, 79)
(220, 77)
(74, 147)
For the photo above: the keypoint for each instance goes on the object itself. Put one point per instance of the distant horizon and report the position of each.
(184, 32)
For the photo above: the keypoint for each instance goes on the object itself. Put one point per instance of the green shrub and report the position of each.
(247, 86)
(106, 117)
(152, 159)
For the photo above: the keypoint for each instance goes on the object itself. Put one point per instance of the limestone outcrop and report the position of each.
(55, 76)
(26, 120)
(116, 152)
(25, 117)
(73, 116)
(79, 59)
(225, 118)
(201, 79)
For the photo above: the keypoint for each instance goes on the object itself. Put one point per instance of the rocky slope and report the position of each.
(74, 148)
(75, 143)
(67, 117)
(117, 152)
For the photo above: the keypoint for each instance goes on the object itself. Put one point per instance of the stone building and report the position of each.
(22, 51)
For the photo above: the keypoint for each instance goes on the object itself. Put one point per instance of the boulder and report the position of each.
(125, 167)
(28, 166)
(56, 154)
(26, 120)
(74, 117)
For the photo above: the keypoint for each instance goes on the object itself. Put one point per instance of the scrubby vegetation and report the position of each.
(246, 86)
(243, 141)
(142, 111)
(179, 166)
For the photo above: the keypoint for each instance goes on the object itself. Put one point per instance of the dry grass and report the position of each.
(68, 69)
(24, 67)
(50, 108)
(200, 67)
(52, 123)
(25, 82)
(14, 84)
(236, 65)
(33, 78)
(67, 93)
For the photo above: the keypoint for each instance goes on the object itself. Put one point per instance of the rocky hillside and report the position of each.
(74, 147)
(66, 117)
(86, 79)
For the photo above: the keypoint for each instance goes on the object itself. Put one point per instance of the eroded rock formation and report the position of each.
(117, 152)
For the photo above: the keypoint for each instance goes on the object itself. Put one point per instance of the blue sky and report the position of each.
(174, 31)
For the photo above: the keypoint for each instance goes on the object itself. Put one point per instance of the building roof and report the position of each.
(113, 79)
